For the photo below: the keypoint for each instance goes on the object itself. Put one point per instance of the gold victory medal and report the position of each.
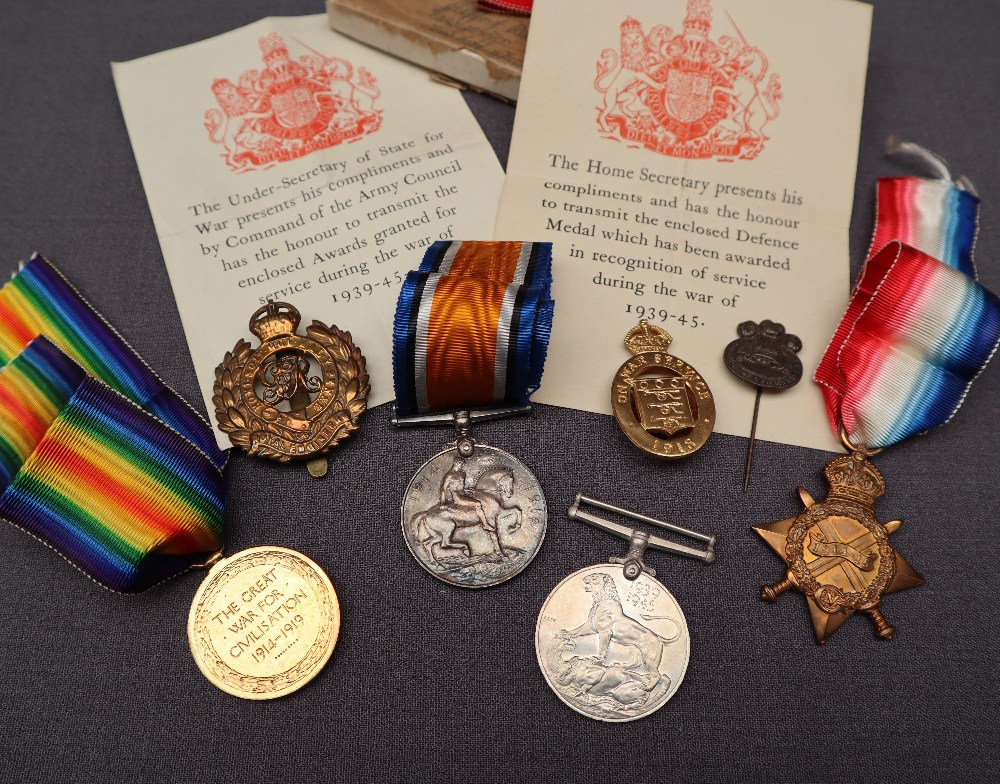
(270, 400)
(664, 406)
(263, 623)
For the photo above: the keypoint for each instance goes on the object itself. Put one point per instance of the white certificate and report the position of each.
(284, 161)
(693, 163)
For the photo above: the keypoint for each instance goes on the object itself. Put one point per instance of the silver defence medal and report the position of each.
(473, 515)
(611, 640)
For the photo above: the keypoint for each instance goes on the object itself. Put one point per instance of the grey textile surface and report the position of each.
(430, 683)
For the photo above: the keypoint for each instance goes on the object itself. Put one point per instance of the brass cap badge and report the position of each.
(294, 397)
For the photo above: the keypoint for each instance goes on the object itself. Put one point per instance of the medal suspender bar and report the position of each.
(918, 330)
(618, 603)
(469, 340)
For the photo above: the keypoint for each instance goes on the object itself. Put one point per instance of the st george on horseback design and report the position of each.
(474, 521)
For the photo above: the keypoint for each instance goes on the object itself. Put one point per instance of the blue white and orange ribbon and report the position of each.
(472, 326)
(98, 458)
(919, 327)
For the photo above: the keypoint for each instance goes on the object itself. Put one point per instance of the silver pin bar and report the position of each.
(447, 419)
(655, 542)
(709, 539)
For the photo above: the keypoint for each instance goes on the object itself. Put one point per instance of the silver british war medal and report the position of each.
(473, 515)
(611, 640)
(469, 343)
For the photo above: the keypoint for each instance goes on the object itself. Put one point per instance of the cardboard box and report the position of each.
(455, 38)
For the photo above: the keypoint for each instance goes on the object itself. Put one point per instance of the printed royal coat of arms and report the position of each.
(291, 107)
(684, 95)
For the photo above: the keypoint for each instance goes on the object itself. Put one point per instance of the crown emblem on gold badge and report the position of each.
(646, 338)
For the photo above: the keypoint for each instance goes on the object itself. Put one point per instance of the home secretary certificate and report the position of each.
(284, 161)
(693, 163)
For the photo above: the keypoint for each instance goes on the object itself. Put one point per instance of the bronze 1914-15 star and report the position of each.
(837, 553)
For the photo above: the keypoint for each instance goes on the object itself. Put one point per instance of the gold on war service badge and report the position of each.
(661, 403)
(838, 554)
(271, 401)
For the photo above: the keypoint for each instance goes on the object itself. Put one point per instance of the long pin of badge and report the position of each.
(596, 612)
(763, 355)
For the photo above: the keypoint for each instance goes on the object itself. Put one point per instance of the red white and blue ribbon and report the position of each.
(933, 216)
(919, 327)
(472, 326)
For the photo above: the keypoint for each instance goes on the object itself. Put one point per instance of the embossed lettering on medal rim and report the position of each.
(512, 503)
(619, 634)
(321, 617)
(704, 404)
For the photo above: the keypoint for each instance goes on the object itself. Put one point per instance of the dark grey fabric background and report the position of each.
(430, 683)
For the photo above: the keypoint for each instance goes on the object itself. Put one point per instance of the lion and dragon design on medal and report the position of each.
(612, 666)
(685, 95)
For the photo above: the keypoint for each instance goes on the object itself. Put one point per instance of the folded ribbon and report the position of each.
(40, 301)
(472, 326)
(919, 328)
(129, 496)
(512, 7)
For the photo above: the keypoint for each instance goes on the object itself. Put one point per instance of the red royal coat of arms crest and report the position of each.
(291, 107)
(685, 95)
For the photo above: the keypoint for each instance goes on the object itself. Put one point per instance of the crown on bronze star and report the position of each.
(854, 479)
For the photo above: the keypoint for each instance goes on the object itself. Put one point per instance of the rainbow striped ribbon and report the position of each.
(472, 326)
(40, 301)
(125, 494)
(919, 328)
